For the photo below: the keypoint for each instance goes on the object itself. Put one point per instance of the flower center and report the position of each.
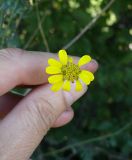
(70, 72)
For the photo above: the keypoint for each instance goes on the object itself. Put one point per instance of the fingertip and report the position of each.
(64, 118)
(91, 66)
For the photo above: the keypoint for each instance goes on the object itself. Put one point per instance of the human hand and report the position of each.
(25, 120)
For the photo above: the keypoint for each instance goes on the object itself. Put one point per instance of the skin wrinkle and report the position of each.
(5, 154)
(26, 149)
(38, 78)
(28, 146)
(51, 102)
(21, 150)
(58, 101)
(47, 118)
(36, 109)
(11, 57)
(7, 61)
(37, 116)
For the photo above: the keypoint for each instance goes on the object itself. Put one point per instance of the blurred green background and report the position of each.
(102, 126)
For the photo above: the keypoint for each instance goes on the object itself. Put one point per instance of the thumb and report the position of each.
(24, 127)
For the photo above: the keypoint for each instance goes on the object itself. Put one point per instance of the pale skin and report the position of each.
(24, 121)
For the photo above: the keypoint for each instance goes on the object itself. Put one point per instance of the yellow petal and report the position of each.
(83, 60)
(70, 59)
(78, 86)
(53, 70)
(55, 79)
(89, 74)
(57, 86)
(66, 86)
(63, 57)
(86, 75)
(84, 78)
(54, 62)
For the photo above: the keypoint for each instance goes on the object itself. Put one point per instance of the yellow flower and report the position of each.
(66, 72)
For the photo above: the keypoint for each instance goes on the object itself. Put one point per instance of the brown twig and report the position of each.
(41, 29)
(88, 25)
(87, 141)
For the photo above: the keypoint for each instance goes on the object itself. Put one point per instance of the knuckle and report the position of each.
(9, 57)
(43, 112)
(11, 53)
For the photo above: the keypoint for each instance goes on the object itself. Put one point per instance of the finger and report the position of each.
(25, 126)
(92, 66)
(21, 67)
(64, 118)
(24, 67)
(8, 102)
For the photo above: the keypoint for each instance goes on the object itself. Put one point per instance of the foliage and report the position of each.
(106, 107)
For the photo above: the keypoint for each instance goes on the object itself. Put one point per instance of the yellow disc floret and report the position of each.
(70, 72)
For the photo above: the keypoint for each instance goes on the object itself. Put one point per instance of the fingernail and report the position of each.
(91, 66)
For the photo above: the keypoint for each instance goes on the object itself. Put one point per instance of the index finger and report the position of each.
(26, 67)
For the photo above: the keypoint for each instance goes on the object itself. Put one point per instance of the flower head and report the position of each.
(65, 72)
